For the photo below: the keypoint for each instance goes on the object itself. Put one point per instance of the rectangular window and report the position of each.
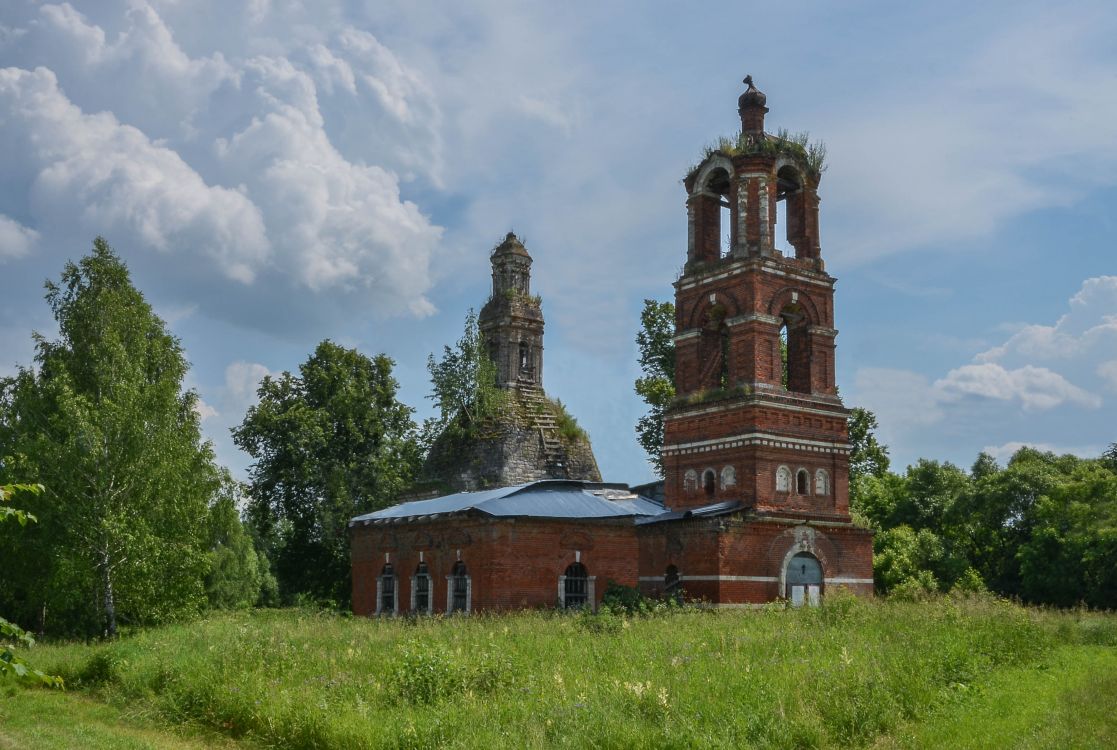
(422, 593)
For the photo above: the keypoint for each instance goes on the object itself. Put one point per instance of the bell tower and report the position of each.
(512, 319)
(757, 418)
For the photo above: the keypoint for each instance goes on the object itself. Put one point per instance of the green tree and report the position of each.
(463, 381)
(1070, 553)
(656, 342)
(239, 574)
(103, 421)
(998, 513)
(12, 665)
(867, 456)
(328, 444)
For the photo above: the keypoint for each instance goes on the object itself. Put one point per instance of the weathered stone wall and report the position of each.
(508, 450)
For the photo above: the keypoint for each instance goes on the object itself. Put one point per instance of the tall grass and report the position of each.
(841, 674)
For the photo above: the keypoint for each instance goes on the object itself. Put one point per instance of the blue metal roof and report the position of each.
(542, 499)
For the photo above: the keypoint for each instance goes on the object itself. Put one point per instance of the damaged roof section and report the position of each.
(568, 499)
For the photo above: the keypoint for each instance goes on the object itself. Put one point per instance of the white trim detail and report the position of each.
(840, 411)
(768, 266)
(751, 579)
(840, 581)
(756, 438)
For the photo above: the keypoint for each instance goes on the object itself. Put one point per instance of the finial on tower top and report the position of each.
(751, 107)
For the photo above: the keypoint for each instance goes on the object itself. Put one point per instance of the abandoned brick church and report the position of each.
(755, 499)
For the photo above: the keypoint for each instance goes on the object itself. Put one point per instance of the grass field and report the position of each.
(948, 674)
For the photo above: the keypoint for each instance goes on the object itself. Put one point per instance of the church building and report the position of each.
(756, 444)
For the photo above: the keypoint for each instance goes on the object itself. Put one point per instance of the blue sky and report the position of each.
(276, 173)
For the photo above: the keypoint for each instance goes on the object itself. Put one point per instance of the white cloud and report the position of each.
(228, 154)
(1033, 387)
(1089, 327)
(110, 178)
(16, 240)
(204, 410)
(1005, 451)
(1108, 372)
(956, 156)
(241, 381)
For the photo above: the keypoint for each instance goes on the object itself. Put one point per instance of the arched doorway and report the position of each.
(803, 580)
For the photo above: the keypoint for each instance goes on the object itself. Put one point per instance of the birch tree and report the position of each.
(103, 421)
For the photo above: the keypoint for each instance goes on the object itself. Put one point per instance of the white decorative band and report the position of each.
(754, 579)
(756, 438)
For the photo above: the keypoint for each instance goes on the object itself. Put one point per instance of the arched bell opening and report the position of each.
(795, 350)
(793, 208)
(714, 230)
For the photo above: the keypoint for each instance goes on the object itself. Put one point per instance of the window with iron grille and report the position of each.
(459, 583)
(388, 590)
(576, 586)
(422, 588)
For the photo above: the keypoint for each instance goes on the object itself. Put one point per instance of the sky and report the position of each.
(277, 173)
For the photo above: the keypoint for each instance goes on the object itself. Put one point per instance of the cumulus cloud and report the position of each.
(111, 178)
(16, 240)
(204, 410)
(1088, 327)
(1043, 379)
(1033, 387)
(1108, 372)
(241, 381)
(226, 154)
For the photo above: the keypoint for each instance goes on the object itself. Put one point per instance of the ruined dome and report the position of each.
(511, 246)
(753, 97)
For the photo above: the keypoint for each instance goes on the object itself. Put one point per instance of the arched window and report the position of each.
(575, 586)
(709, 482)
(789, 197)
(783, 354)
(795, 349)
(690, 482)
(386, 601)
(821, 482)
(783, 479)
(460, 592)
(802, 482)
(421, 590)
(671, 587)
(728, 477)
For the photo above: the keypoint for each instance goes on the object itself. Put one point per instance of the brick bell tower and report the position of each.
(757, 418)
(512, 320)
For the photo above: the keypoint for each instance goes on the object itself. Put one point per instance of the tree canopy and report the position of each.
(103, 421)
(656, 341)
(328, 444)
(463, 380)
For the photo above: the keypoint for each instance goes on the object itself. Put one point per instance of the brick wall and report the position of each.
(513, 563)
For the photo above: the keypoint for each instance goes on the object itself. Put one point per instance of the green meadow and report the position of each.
(954, 672)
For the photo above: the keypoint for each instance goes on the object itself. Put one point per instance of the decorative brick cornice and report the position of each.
(765, 439)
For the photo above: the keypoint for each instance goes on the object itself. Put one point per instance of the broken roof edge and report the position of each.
(583, 500)
(704, 511)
